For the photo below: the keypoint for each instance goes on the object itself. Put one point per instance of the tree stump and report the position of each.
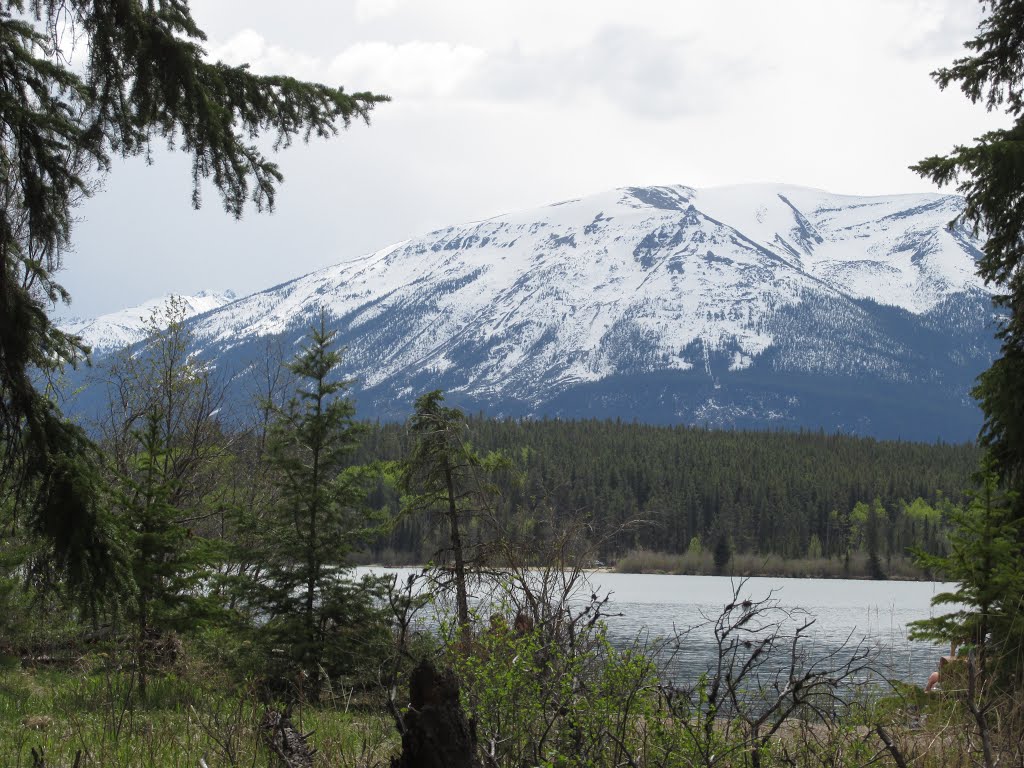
(435, 730)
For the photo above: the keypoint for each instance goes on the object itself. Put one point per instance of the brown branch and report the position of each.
(891, 746)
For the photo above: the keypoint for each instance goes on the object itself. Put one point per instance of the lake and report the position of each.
(654, 606)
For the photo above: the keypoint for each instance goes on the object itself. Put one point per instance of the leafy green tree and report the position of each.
(143, 75)
(166, 447)
(249, 494)
(814, 550)
(161, 378)
(321, 515)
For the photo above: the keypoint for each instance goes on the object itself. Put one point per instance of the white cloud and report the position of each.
(937, 28)
(634, 70)
(250, 47)
(408, 70)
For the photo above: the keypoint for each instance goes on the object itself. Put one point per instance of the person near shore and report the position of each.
(936, 677)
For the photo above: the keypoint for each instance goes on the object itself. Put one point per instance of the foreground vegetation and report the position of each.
(546, 692)
(192, 715)
(230, 624)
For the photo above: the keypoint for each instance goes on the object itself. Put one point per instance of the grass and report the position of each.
(189, 715)
(194, 716)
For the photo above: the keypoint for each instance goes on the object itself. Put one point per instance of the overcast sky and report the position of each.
(500, 105)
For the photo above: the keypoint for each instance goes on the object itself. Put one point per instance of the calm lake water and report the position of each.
(653, 607)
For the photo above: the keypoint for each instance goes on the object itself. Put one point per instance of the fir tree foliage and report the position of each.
(168, 564)
(164, 447)
(158, 539)
(138, 73)
(321, 515)
(990, 175)
(988, 600)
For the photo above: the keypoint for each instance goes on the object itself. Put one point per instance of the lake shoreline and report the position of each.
(772, 575)
(844, 613)
(856, 566)
(766, 574)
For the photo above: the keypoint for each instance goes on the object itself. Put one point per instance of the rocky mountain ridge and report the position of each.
(751, 306)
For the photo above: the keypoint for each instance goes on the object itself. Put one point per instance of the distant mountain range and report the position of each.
(762, 306)
(116, 330)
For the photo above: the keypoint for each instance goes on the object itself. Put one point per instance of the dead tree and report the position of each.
(435, 731)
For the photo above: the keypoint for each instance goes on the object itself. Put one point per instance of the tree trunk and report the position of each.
(142, 644)
(461, 593)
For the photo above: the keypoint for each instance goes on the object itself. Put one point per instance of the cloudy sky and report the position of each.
(500, 105)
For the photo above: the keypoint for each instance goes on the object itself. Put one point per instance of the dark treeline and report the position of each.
(790, 494)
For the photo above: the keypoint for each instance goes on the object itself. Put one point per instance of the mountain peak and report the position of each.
(748, 305)
(125, 327)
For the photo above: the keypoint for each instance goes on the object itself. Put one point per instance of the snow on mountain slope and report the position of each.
(544, 295)
(746, 305)
(128, 326)
(895, 250)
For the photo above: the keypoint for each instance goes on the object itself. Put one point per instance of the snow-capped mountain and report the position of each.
(125, 327)
(762, 305)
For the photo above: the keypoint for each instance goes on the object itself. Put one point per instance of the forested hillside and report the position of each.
(768, 492)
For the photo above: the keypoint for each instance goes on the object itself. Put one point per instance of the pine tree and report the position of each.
(143, 75)
(443, 474)
(987, 620)
(321, 515)
(165, 445)
(165, 569)
(990, 175)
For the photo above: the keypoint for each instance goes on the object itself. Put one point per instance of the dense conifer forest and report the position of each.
(651, 487)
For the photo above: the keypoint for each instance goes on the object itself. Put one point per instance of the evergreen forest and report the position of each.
(641, 487)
